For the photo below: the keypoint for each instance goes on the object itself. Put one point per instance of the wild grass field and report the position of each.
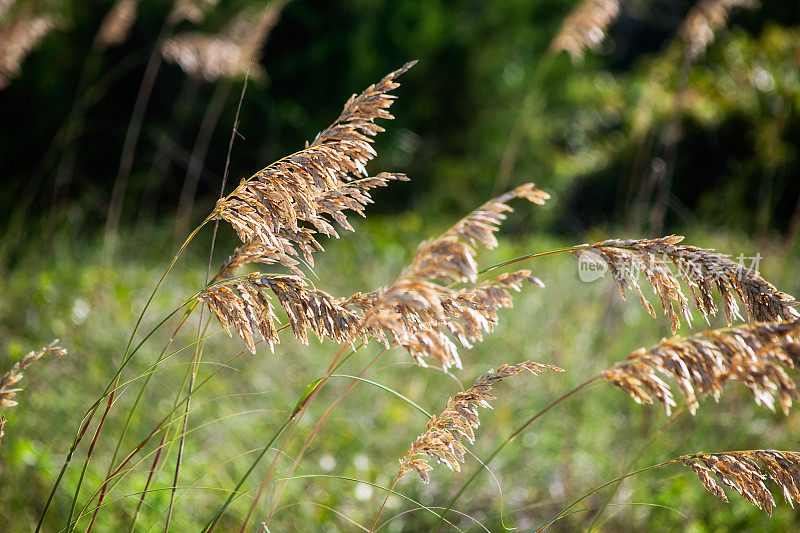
(66, 286)
(479, 352)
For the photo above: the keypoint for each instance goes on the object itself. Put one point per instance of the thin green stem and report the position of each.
(564, 511)
(387, 389)
(110, 390)
(211, 523)
(301, 404)
(84, 426)
(390, 490)
(671, 420)
(313, 434)
(532, 256)
(88, 457)
(198, 353)
(133, 409)
(158, 426)
(386, 499)
(522, 428)
(298, 412)
(169, 415)
(152, 368)
(126, 358)
(136, 402)
(120, 476)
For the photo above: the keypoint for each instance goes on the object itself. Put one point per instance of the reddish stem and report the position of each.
(375, 523)
(313, 434)
(91, 449)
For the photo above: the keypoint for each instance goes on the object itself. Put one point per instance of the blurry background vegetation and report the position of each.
(486, 107)
(630, 139)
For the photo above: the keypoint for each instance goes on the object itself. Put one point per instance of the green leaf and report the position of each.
(308, 391)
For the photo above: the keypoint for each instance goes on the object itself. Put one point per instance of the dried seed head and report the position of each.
(270, 207)
(117, 23)
(585, 27)
(207, 57)
(704, 363)
(254, 252)
(746, 471)
(448, 258)
(356, 122)
(242, 303)
(641, 383)
(704, 20)
(353, 196)
(313, 309)
(18, 37)
(228, 54)
(700, 270)
(7, 382)
(267, 212)
(422, 316)
(192, 10)
(442, 440)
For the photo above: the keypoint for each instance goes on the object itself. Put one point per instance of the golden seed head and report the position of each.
(442, 439)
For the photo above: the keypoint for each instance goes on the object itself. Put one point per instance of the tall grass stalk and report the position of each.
(439, 305)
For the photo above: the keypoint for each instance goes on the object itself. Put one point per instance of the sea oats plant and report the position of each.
(117, 23)
(12, 377)
(587, 25)
(227, 54)
(21, 29)
(442, 439)
(7, 383)
(436, 309)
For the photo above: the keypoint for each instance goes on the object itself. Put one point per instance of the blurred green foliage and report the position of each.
(72, 293)
(486, 108)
